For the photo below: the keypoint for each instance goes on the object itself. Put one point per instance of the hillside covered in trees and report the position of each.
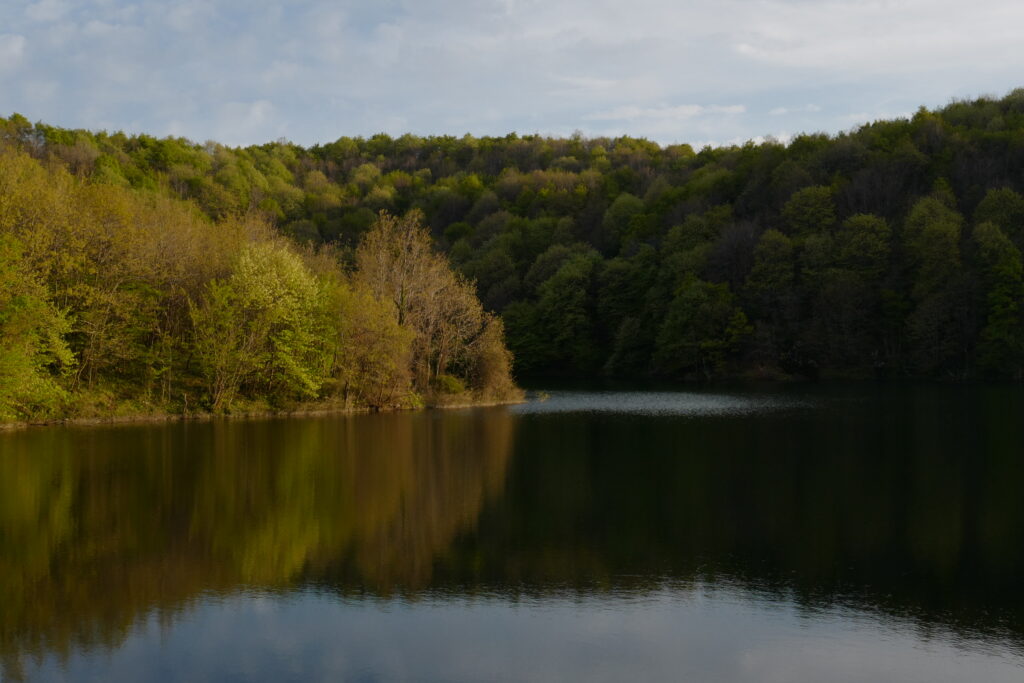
(890, 250)
(116, 300)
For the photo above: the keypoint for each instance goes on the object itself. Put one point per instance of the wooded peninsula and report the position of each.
(143, 275)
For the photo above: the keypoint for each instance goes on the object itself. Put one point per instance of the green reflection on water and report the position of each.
(98, 526)
(901, 500)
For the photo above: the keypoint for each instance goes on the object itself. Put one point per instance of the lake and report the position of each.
(861, 532)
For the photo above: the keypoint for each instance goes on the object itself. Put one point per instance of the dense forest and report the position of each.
(116, 300)
(890, 250)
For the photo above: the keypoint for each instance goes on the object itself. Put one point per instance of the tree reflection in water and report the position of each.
(903, 502)
(98, 527)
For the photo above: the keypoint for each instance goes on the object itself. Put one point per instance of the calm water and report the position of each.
(810, 533)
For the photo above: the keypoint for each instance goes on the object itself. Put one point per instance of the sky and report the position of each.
(694, 71)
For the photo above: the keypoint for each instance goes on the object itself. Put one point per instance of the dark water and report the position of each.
(815, 533)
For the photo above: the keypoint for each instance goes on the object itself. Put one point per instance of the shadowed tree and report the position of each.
(939, 320)
(1005, 208)
(771, 297)
(703, 326)
(809, 211)
(1001, 344)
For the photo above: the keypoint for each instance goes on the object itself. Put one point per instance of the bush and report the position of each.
(448, 384)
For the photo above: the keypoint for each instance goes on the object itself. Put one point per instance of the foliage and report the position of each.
(702, 326)
(118, 300)
(372, 356)
(1001, 347)
(397, 263)
(261, 327)
(849, 254)
(33, 353)
(448, 384)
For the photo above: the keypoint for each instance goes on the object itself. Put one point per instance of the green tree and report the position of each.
(33, 353)
(372, 352)
(490, 363)
(863, 245)
(771, 296)
(843, 275)
(1005, 208)
(565, 314)
(809, 211)
(261, 328)
(1001, 343)
(703, 327)
(618, 221)
(938, 324)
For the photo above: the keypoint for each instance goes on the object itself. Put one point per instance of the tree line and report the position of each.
(122, 300)
(893, 249)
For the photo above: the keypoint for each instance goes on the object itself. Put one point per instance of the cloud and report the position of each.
(189, 16)
(682, 111)
(242, 121)
(806, 109)
(12, 49)
(328, 68)
(577, 84)
(878, 37)
(46, 10)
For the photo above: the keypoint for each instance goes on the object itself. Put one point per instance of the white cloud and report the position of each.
(99, 29)
(238, 122)
(682, 111)
(878, 37)
(328, 68)
(189, 16)
(577, 84)
(12, 49)
(805, 109)
(46, 10)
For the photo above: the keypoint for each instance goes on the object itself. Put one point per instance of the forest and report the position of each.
(122, 301)
(170, 272)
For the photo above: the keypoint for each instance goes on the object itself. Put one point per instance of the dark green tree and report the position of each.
(703, 327)
(1001, 343)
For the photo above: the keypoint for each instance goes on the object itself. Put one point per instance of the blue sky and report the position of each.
(698, 71)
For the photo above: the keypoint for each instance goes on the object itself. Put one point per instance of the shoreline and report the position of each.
(151, 418)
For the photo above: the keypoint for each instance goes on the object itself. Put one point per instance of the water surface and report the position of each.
(800, 533)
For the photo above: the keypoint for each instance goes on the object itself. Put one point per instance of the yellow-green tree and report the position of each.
(33, 353)
(372, 352)
(261, 328)
(396, 261)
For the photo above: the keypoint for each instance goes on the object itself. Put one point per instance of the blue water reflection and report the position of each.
(703, 634)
